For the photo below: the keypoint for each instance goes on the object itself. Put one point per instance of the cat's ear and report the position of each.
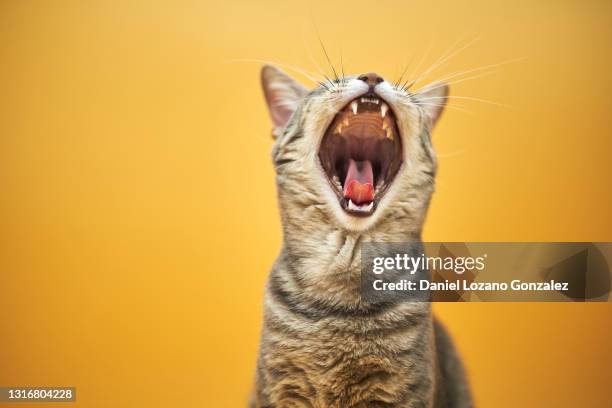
(433, 98)
(283, 95)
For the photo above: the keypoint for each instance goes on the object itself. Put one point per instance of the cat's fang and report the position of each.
(354, 107)
(388, 131)
(383, 109)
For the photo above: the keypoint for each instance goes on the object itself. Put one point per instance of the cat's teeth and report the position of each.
(370, 100)
(387, 129)
(354, 107)
(383, 109)
(363, 208)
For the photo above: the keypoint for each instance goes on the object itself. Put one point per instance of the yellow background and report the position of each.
(137, 202)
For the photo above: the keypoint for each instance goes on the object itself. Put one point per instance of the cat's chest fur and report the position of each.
(383, 359)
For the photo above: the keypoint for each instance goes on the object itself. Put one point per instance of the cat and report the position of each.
(354, 163)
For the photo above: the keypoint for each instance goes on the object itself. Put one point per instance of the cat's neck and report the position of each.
(323, 266)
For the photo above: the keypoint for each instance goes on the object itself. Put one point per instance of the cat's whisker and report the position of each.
(401, 77)
(422, 60)
(447, 56)
(444, 54)
(469, 98)
(327, 57)
(307, 74)
(331, 83)
(342, 68)
(449, 106)
(407, 86)
(311, 56)
(290, 105)
(466, 79)
(468, 71)
(452, 154)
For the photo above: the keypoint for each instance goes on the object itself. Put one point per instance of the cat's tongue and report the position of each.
(359, 183)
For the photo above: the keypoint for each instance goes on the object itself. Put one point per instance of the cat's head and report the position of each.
(354, 153)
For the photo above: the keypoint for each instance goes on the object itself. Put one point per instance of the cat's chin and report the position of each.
(361, 153)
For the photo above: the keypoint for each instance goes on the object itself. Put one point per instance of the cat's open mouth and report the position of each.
(361, 153)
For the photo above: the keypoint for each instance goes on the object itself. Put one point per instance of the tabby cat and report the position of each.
(354, 163)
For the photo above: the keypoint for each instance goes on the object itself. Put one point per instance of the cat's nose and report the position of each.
(371, 78)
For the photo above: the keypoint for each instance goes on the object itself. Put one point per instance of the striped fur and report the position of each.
(321, 345)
